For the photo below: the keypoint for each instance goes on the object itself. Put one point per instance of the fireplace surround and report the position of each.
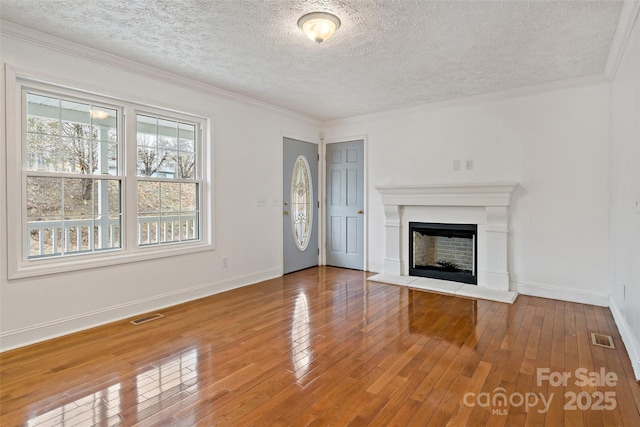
(486, 205)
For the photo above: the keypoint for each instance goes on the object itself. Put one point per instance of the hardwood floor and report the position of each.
(325, 347)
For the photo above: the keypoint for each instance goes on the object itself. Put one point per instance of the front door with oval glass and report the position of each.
(300, 205)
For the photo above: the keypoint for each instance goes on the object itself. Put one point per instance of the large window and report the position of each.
(101, 181)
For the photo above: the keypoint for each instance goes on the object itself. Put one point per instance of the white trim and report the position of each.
(375, 267)
(4, 230)
(44, 331)
(47, 80)
(628, 338)
(17, 264)
(467, 101)
(13, 169)
(628, 18)
(35, 37)
(18, 32)
(43, 267)
(563, 294)
(475, 194)
(490, 203)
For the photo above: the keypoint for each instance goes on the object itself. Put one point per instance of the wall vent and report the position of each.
(602, 340)
(146, 319)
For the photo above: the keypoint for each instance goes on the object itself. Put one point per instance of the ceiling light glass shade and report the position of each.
(319, 26)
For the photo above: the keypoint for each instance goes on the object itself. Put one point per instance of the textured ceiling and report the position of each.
(387, 54)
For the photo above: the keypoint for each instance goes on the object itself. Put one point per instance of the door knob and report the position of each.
(286, 213)
(360, 211)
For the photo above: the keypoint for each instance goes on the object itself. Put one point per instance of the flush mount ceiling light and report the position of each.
(319, 26)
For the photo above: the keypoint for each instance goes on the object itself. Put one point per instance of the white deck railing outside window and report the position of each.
(49, 238)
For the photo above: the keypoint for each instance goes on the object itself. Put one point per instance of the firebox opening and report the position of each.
(443, 251)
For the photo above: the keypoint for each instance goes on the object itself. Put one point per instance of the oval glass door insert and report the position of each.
(301, 203)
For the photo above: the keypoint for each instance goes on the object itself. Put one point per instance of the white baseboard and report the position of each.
(375, 267)
(33, 334)
(630, 341)
(563, 294)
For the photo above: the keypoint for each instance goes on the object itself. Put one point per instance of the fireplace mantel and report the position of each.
(493, 194)
(493, 199)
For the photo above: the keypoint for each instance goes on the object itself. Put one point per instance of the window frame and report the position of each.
(18, 263)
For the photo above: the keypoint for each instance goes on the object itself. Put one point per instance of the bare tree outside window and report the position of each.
(81, 146)
(149, 163)
(186, 166)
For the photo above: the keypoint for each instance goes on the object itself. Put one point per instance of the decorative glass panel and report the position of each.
(301, 203)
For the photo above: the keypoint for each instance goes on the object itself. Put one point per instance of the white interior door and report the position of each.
(345, 205)
(300, 205)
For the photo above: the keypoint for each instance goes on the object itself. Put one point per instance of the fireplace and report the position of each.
(443, 251)
(486, 204)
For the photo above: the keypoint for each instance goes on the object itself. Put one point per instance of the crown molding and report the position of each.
(35, 37)
(628, 18)
(518, 92)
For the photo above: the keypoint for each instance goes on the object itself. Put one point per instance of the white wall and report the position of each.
(554, 143)
(625, 195)
(247, 140)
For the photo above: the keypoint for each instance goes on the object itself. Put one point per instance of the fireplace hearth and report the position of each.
(443, 251)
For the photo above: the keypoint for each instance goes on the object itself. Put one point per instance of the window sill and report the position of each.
(44, 267)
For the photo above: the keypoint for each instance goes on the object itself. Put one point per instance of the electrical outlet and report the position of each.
(262, 202)
(468, 164)
(225, 262)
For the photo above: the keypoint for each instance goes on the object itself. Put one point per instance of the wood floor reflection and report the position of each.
(325, 347)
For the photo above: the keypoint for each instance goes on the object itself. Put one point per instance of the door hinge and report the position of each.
(318, 204)
(318, 157)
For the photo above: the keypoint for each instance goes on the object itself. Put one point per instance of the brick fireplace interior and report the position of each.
(443, 251)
